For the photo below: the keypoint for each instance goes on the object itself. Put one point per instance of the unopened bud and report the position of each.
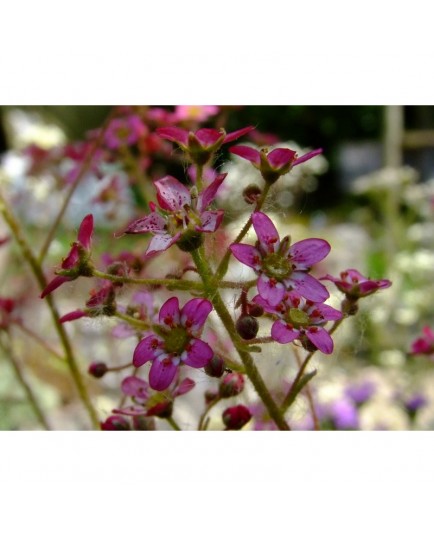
(236, 417)
(115, 423)
(97, 369)
(255, 310)
(231, 385)
(247, 327)
(251, 194)
(215, 367)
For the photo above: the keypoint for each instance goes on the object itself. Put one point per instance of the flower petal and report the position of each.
(208, 136)
(147, 350)
(71, 260)
(175, 134)
(280, 157)
(162, 374)
(271, 290)
(73, 315)
(199, 354)
(160, 243)
(55, 283)
(308, 287)
(207, 196)
(248, 153)
(307, 156)
(283, 332)
(172, 195)
(152, 223)
(85, 231)
(211, 220)
(184, 387)
(136, 387)
(264, 304)
(266, 231)
(194, 314)
(132, 411)
(327, 312)
(307, 252)
(232, 136)
(321, 339)
(169, 312)
(247, 254)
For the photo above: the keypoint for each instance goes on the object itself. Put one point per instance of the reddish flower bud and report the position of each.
(247, 327)
(215, 367)
(236, 417)
(254, 309)
(231, 385)
(97, 369)
(251, 194)
(115, 423)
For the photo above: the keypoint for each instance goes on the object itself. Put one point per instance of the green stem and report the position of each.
(224, 264)
(171, 284)
(289, 399)
(199, 180)
(83, 170)
(133, 321)
(40, 277)
(8, 352)
(249, 365)
(201, 425)
(309, 395)
(40, 341)
(173, 423)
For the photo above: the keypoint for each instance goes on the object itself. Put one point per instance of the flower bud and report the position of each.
(251, 194)
(255, 309)
(247, 327)
(97, 369)
(115, 423)
(236, 417)
(215, 367)
(231, 385)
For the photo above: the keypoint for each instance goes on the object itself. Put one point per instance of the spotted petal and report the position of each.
(211, 220)
(247, 254)
(162, 374)
(172, 195)
(321, 339)
(160, 243)
(266, 231)
(307, 252)
(207, 196)
(148, 349)
(169, 312)
(271, 290)
(136, 387)
(194, 314)
(198, 354)
(328, 313)
(152, 223)
(283, 332)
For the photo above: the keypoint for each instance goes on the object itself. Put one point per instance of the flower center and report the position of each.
(276, 266)
(297, 317)
(123, 133)
(176, 340)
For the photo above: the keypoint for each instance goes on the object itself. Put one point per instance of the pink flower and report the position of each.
(301, 319)
(76, 263)
(194, 113)
(182, 219)
(281, 266)
(176, 341)
(274, 164)
(355, 285)
(148, 403)
(124, 131)
(200, 145)
(425, 344)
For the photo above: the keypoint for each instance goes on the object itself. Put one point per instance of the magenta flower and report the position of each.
(194, 113)
(76, 263)
(280, 266)
(182, 219)
(124, 131)
(424, 345)
(176, 341)
(355, 285)
(200, 145)
(298, 318)
(148, 403)
(274, 164)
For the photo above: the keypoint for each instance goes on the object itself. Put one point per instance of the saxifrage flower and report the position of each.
(298, 318)
(272, 164)
(280, 266)
(182, 218)
(355, 285)
(175, 342)
(76, 262)
(424, 344)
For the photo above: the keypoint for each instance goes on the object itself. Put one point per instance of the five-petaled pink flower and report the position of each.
(301, 319)
(148, 403)
(275, 163)
(355, 285)
(281, 266)
(76, 261)
(425, 344)
(175, 342)
(183, 217)
(200, 145)
(124, 131)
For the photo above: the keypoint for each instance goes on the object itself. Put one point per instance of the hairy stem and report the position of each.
(171, 284)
